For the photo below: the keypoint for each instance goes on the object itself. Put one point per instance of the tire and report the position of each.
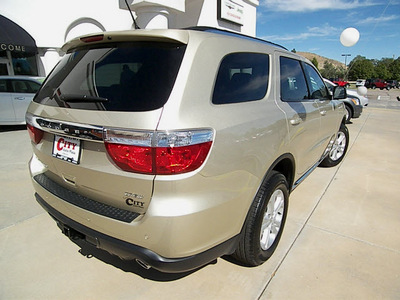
(339, 148)
(265, 221)
(349, 113)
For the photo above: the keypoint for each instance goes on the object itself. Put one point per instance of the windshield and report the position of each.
(118, 77)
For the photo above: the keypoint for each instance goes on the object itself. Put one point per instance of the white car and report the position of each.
(355, 94)
(16, 92)
(360, 82)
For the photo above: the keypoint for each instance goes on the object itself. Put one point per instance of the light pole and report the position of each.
(345, 63)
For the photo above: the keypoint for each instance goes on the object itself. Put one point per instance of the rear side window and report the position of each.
(242, 77)
(25, 86)
(117, 77)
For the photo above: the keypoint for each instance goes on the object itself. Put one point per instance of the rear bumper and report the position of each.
(128, 251)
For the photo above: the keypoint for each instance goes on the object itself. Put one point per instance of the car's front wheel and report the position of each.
(339, 148)
(265, 221)
(349, 114)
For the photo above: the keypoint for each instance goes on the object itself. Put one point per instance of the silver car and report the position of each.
(175, 147)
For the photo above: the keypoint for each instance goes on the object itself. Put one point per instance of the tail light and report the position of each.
(158, 152)
(35, 133)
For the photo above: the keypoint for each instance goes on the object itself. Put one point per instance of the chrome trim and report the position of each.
(83, 132)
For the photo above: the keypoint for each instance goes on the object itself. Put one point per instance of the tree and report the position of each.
(395, 69)
(315, 62)
(329, 70)
(381, 71)
(360, 67)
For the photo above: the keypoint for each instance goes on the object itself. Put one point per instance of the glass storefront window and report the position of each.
(24, 64)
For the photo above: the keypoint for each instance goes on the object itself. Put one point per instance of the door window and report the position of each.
(293, 83)
(317, 87)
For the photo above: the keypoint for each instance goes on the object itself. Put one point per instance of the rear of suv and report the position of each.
(175, 147)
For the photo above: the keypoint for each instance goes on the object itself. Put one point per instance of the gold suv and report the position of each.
(175, 147)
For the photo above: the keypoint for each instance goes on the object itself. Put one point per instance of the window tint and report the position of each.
(315, 83)
(25, 86)
(118, 77)
(293, 83)
(3, 86)
(241, 77)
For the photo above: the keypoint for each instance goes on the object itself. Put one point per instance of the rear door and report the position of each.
(104, 97)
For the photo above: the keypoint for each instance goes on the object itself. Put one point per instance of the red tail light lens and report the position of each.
(158, 153)
(92, 38)
(177, 160)
(132, 158)
(35, 133)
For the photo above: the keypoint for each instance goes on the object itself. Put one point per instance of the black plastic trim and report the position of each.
(84, 202)
(130, 251)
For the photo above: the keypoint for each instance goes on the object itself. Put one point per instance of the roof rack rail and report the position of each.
(232, 33)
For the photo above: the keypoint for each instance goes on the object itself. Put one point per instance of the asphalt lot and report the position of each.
(340, 240)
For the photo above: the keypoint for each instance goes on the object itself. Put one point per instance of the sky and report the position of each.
(315, 26)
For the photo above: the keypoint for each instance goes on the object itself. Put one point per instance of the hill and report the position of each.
(321, 60)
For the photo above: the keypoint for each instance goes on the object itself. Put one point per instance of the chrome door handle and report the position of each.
(19, 98)
(323, 113)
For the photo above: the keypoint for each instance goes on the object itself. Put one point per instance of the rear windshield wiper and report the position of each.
(81, 98)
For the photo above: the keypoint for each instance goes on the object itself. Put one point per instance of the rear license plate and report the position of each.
(66, 148)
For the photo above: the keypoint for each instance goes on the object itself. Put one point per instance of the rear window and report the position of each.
(242, 77)
(119, 77)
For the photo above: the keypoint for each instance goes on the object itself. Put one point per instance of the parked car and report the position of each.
(341, 82)
(16, 92)
(363, 99)
(360, 82)
(147, 146)
(376, 83)
(393, 84)
(352, 102)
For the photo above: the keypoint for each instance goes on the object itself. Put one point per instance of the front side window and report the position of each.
(116, 77)
(293, 83)
(3, 86)
(242, 77)
(316, 84)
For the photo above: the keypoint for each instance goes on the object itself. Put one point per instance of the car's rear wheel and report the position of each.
(339, 148)
(265, 221)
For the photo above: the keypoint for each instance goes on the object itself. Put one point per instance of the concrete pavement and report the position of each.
(340, 240)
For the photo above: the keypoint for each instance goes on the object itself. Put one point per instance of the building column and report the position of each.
(153, 14)
(152, 17)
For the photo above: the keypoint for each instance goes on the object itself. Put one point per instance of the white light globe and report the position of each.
(362, 90)
(349, 37)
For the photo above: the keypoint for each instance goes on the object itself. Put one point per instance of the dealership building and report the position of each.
(32, 33)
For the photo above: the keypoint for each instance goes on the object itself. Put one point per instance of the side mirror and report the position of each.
(339, 92)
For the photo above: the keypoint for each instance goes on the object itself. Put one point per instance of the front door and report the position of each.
(302, 113)
(7, 116)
